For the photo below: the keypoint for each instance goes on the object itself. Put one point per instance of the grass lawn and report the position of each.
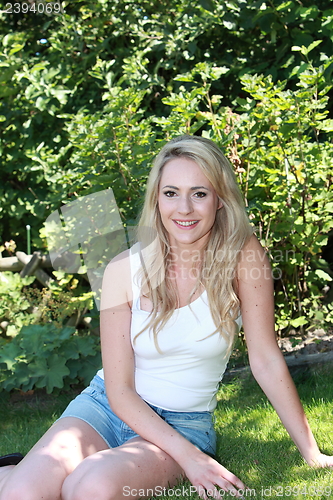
(252, 442)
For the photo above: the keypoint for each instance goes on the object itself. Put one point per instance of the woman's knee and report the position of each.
(18, 491)
(89, 485)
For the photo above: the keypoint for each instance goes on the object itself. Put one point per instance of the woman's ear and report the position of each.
(220, 203)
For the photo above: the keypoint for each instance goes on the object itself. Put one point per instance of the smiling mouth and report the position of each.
(186, 223)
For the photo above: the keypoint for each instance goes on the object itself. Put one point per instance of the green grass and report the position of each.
(256, 447)
(252, 442)
(24, 418)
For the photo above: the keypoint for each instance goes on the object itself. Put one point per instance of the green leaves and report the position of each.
(48, 356)
(293, 211)
(14, 304)
(55, 70)
(306, 50)
(49, 372)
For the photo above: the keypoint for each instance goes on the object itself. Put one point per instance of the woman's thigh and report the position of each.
(135, 469)
(42, 472)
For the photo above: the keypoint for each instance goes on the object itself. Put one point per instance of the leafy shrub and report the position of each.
(286, 149)
(38, 348)
(47, 356)
(280, 143)
(15, 308)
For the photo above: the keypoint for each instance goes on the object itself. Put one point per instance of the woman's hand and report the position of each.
(209, 477)
(322, 461)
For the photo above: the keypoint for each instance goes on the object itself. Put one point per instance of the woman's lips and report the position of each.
(186, 224)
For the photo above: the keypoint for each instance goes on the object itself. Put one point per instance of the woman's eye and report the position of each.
(198, 194)
(169, 194)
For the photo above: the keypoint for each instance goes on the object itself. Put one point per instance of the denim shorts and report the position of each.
(93, 407)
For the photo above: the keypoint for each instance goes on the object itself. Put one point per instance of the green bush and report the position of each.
(47, 356)
(280, 143)
(38, 347)
(15, 308)
(286, 150)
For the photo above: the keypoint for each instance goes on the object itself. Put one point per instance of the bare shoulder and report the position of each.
(254, 281)
(252, 250)
(120, 261)
(255, 286)
(116, 288)
(253, 262)
(119, 267)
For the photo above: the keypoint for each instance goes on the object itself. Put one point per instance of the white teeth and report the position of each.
(189, 223)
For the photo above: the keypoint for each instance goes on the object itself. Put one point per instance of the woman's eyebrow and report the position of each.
(192, 188)
(199, 187)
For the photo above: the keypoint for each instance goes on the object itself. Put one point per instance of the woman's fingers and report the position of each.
(210, 478)
(229, 482)
(218, 493)
(217, 486)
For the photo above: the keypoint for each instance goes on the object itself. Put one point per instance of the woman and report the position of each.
(168, 319)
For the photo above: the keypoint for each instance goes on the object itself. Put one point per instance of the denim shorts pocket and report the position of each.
(96, 391)
(90, 391)
(197, 427)
(126, 432)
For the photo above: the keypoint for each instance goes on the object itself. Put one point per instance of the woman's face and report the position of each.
(187, 203)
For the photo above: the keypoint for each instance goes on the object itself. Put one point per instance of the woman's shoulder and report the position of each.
(117, 281)
(118, 264)
(123, 260)
(252, 251)
(254, 270)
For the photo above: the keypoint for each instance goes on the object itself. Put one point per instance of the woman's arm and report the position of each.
(256, 294)
(118, 364)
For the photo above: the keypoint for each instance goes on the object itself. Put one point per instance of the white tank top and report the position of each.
(186, 374)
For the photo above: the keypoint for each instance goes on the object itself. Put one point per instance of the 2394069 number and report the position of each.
(307, 491)
(34, 8)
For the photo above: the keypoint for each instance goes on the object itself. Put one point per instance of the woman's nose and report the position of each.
(185, 205)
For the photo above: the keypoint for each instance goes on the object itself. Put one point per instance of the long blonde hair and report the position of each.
(229, 233)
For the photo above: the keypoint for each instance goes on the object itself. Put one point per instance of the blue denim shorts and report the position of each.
(93, 407)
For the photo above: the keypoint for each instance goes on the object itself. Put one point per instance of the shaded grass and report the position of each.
(24, 418)
(252, 442)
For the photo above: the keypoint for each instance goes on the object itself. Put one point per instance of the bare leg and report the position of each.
(4, 471)
(132, 470)
(42, 472)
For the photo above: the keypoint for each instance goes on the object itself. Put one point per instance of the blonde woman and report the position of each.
(170, 309)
